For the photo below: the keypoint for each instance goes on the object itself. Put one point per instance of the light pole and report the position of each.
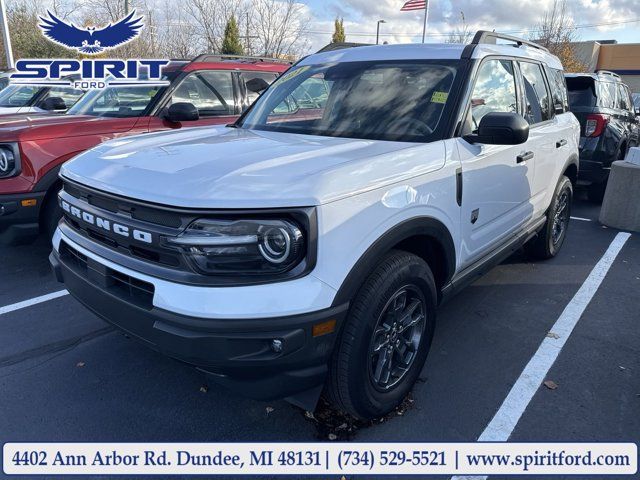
(5, 35)
(378, 31)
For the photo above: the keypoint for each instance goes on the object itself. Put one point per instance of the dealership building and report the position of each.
(620, 58)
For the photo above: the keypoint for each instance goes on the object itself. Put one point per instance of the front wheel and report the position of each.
(550, 239)
(386, 338)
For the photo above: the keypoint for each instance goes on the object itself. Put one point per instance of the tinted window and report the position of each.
(210, 92)
(607, 93)
(582, 92)
(558, 90)
(624, 101)
(494, 90)
(537, 108)
(383, 100)
(248, 76)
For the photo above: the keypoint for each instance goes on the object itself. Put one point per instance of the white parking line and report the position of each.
(32, 301)
(581, 219)
(508, 416)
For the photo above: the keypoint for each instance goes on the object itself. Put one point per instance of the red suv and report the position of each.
(210, 90)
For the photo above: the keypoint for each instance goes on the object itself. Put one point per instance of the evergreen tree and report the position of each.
(338, 32)
(231, 44)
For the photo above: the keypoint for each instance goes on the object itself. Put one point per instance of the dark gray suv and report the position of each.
(609, 126)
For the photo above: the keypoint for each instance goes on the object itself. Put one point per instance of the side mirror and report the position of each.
(257, 85)
(182, 112)
(53, 103)
(501, 128)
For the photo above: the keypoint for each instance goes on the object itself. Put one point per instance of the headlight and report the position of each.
(9, 160)
(243, 246)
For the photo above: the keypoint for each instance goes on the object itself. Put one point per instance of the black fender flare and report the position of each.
(48, 180)
(419, 226)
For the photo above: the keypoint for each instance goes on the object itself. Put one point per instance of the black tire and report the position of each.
(354, 385)
(549, 240)
(51, 213)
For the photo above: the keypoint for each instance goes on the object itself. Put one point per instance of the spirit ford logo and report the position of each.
(105, 224)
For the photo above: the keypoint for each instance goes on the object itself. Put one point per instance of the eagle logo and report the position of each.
(91, 40)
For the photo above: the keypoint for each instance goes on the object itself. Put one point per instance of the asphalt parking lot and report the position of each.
(66, 376)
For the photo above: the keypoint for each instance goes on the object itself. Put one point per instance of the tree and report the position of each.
(231, 44)
(280, 27)
(557, 32)
(462, 33)
(338, 31)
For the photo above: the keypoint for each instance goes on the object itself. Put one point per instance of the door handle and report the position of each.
(561, 143)
(523, 157)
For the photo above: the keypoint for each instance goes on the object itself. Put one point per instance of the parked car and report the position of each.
(635, 97)
(206, 91)
(35, 99)
(5, 78)
(308, 245)
(609, 127)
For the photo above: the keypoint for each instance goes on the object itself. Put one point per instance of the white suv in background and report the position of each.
(307, 246)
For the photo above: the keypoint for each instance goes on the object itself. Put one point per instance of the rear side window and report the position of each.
(582, 92)
(607, 93)
(494, 91)
(558, 90)
(624, 100)
(537, 104)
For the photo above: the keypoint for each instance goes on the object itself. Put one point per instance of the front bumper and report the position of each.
(19, 224)
(237, 353)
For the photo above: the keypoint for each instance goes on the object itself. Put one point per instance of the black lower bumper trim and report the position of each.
(19, 224)
(237, 353)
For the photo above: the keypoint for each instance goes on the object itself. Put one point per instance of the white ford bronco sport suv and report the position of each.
(307, 246)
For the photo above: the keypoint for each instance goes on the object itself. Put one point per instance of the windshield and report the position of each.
(117, 102)
(391, 100)
(18, 95)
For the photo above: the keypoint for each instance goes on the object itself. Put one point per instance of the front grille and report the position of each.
(128, 288)
(121, 205)
(159, 222)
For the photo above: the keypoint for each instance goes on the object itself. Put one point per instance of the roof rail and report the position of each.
(242, 58)
(483, 37)
(341, 46)
(607, 72)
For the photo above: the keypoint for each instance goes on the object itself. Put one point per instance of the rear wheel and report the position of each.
(386, 338)
(596, 191)
(550, 239)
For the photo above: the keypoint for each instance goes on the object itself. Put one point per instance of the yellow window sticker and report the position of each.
(439, 97)
(293, 73)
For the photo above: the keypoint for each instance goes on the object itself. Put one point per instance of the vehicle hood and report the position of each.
(37, 126)
(221, 167)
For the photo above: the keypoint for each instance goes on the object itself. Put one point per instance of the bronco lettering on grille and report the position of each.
(105, 224)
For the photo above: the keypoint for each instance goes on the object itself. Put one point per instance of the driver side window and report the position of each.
(210, 92)
(494, 91)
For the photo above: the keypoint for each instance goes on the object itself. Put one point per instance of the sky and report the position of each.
(507, 16)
